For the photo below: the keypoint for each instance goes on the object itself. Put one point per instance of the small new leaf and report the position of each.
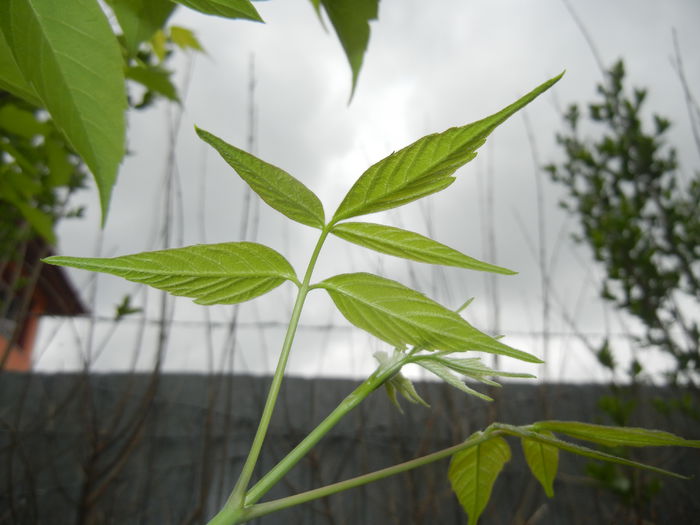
(402, 316)
(124, 308)
(424, 167)
(543, 460)
(616, 436)
(409, 245)
(398, 383)
(473, 472)
(224, 273)
(474, 368)
(448, 377)
(275, 186)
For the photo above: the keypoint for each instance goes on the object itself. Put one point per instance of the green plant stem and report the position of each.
(263, 509)
(373, 382)
(235, 500)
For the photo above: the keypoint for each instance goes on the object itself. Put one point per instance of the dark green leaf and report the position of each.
(617, 436)
(18, 188)
(402, 316)
(350, 19)
(224, 273)
(140, 19)
(473, 472)
(58, 162)
(69, 54)
(154, 79)
(11, 77)
(20, 122)
(409, 245)
(275, 186)
(424, 167)
(543, 460)
(224, 8)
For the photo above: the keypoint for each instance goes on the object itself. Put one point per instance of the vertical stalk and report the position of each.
(236, 499)
(350, 402)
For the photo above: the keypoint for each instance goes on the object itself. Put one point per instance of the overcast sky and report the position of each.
(429, 66)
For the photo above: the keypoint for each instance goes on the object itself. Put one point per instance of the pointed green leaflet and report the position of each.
(616, 436)
(426, 166)
(224, 273)
(409, 245)
(473, 472)
(275, 186)
(402, 316)
(543, 460)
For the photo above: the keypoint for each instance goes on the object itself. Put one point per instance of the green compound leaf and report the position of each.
(68, 53)
(140, 19)
(224, 8)
(543, 460)
(409, 245)
(275, 186)
(225, 273)
(424, 167)
(473, 472)
(350, 19)
(616, 436)
(540, 437)
(402, 316)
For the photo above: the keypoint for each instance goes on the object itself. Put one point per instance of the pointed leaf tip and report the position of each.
(473, 473)
(402, 316)
(426, 166)
(543, 461)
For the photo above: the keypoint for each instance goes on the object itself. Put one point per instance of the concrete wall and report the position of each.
(123, 449)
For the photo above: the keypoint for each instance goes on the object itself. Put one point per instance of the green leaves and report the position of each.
(224, 273)
(473, 472)
(398, 383)
(275, 186)
(616, 436)
(424, 167)
(140, 19)
(350, 19)
(224, 8)
(401, 316)
(474, 469)
(543, 460)
(409, 245)
(67, 53)
(11, 77)
(443, 366)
